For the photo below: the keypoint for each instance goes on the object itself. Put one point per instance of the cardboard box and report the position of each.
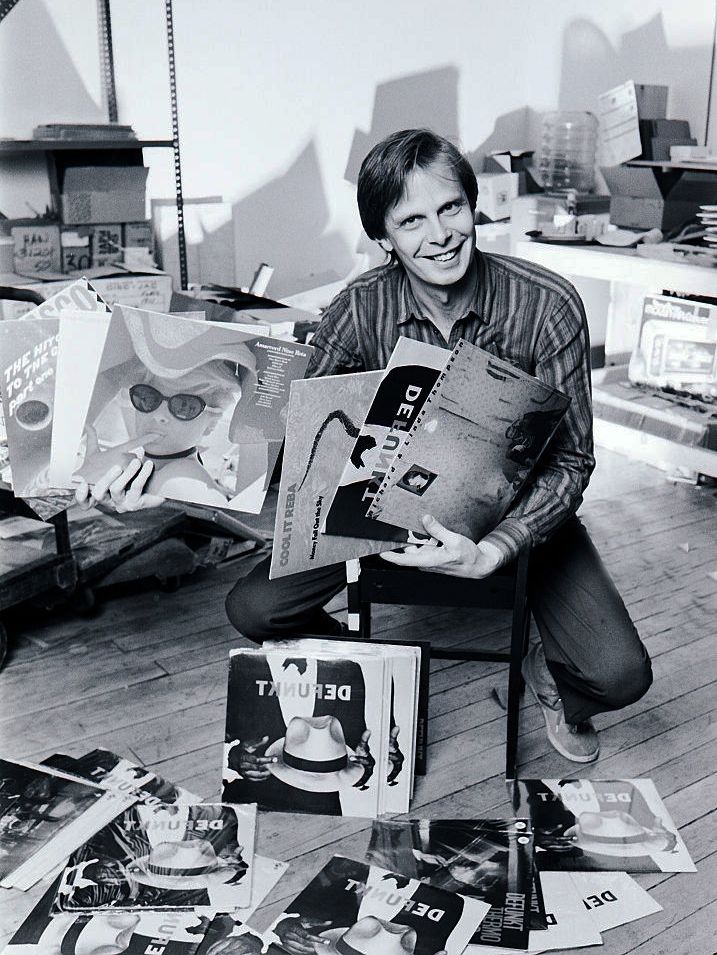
(496, 191)
(106, 244)
(36, 247)
(150, 289)
(138, 235)
(644, 197)
(76, 255)
(103, 194)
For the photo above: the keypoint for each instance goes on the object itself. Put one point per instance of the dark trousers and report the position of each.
(591, 645)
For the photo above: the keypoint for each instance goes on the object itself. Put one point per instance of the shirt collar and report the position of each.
(480, 307)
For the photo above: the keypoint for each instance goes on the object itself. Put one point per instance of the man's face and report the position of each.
(430, 229)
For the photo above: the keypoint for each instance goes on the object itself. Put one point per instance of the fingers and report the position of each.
(365, 736)
(101, 488)
(437, 530)
(251, 745)
(83, 497)
(118, 487)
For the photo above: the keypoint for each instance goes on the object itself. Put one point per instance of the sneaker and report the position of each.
(575, 741)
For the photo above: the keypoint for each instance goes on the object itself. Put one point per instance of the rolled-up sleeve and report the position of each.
(555, 489)
(335, 342)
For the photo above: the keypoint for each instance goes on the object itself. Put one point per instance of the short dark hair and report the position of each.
(384, 171)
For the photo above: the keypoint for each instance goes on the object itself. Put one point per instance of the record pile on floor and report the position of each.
(326, 726)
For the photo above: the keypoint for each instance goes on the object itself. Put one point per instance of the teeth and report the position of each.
(445, 256)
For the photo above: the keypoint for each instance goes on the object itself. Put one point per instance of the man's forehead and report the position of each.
(438, 182)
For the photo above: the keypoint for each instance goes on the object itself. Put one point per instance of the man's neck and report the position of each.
(445, 304)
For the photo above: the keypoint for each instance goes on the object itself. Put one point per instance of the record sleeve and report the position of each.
(404, 660)
(472, 447)
(354, 907)
(157, 857)
(306, 732)
(204, 401)
(228, 935)
(44, 815)
(324, 418)
(609, 824)
(486, 859)
(131, 933)
(116, 774)
(407, 381)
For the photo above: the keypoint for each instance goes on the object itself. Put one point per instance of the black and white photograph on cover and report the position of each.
(228, 935)
(178, 856)
(305, 733)
(201, 405)
(118, 774)
(486, 859)
(113, 931)
(34, 806)
(352, 907)
(612, 825)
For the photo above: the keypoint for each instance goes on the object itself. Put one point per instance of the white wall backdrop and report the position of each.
(279, 100)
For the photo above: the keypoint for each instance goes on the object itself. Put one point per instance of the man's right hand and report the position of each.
(301, 936)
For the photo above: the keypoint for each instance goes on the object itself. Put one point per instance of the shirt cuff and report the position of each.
(510, 536)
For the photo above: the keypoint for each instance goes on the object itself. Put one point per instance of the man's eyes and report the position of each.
(452, 207)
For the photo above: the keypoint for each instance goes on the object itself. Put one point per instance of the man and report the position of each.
(416, 198)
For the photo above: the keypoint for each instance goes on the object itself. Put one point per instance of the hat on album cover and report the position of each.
(369, 936)
(110, 933)
(617, 833)
(314, 756)
(189, 864)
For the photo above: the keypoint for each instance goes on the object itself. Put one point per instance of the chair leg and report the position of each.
(518, 645)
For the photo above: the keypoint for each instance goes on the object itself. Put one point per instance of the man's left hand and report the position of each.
(451, 554)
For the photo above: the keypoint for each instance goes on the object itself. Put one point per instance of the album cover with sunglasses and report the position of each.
(164, 856)
(487, 859)
(204, 402)
(608, 824)
(113, 931)
(351, 908)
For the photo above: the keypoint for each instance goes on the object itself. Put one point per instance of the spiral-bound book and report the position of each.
(472, 447)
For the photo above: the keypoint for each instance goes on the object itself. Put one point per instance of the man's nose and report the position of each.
(437, 231)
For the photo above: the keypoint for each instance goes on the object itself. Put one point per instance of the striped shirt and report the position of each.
(522, 313)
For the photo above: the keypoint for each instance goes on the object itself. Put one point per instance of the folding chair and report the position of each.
(382, 583)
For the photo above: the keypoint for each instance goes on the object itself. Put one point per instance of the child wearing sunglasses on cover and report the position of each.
(168, 401)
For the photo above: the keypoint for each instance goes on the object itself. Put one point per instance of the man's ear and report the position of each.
(385, 245)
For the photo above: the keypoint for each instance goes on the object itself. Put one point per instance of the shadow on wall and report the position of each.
(38, 79)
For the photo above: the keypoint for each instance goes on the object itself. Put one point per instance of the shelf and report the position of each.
(8, 147)
(615, 265)
(667, 164)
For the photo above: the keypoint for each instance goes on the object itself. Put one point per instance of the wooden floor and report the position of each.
(146, 678)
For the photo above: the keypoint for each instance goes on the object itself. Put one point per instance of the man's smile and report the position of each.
(444, 256)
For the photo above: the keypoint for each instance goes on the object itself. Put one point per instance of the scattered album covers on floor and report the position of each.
(178, 856)
(351, 907)
(116, 774)
(323, 421)
(408, 665)
(614, 825)
(472, 446)
(486, 859)
(113, 931)
(229, 935)
(405, 384)
(44, 816)
(306, 732)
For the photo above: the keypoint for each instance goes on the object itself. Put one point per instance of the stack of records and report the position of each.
(164, 857)
(44, 816)
(708, 219)
(325, 726)
(351, 908)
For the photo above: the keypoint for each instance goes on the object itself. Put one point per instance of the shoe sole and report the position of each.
(551, 739)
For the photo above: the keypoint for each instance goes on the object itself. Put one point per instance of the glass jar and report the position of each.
(567, 151)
